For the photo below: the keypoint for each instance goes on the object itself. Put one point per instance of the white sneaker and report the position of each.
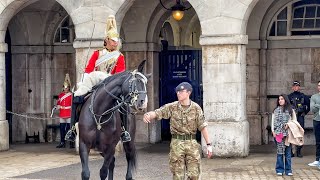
(315, 163)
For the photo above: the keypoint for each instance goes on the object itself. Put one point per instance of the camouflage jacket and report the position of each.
(182, 120)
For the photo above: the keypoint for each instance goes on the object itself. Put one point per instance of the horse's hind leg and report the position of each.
(130, 150)
(84, 156)
(111, 169)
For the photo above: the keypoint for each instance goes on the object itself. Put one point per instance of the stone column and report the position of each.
(84, 49)
(4, 125)
(224, 93)
(134, 53)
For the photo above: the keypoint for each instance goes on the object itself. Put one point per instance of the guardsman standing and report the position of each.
(64, 105)
(186, 117)
(301, 104)
(102, 64)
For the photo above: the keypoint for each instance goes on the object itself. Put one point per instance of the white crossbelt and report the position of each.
(65, 107)
(107, 57)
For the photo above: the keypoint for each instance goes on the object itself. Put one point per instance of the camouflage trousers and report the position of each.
(184, 154)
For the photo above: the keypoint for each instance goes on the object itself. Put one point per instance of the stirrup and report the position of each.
(125, 136)
(71, 135)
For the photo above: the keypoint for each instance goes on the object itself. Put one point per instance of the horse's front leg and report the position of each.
(108, 159)
(84, 156)
(111, 168)
(130, 150)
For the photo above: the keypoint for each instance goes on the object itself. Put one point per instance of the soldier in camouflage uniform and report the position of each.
(186, 117)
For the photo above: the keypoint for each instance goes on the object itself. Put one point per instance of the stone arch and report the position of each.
(231, 19)
(274, 7)
(9, 8)
(167, 33)
(194, 24)
(39, 66)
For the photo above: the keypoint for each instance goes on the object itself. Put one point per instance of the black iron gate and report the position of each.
(176, 67)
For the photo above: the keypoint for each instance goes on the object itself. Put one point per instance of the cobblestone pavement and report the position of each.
(44, 161)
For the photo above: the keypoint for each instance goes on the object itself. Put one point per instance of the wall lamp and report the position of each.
(177, 10)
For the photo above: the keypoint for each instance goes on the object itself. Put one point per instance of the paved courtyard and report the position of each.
(44, 161)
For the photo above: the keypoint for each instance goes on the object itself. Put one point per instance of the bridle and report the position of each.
(129, 100)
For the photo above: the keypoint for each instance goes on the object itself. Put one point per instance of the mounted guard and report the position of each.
(102, 64)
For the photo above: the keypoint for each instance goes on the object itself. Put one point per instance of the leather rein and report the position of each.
(122, 101)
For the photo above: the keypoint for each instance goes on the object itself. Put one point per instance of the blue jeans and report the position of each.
(284, 166)
(316, 130)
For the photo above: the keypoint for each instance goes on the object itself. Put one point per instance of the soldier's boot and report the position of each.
(125, 135)
(71, 134)
(299, 152)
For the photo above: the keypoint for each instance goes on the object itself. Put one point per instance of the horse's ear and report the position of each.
(141, 66)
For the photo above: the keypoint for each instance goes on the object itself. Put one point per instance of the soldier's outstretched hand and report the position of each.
(209, 151)
(147, 117)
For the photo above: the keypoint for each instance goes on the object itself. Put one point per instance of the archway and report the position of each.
(40, 59)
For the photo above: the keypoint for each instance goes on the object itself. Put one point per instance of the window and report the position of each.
(279, 26)
(297, 19)
(64, 33)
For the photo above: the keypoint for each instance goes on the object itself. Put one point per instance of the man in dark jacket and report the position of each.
(301, 104)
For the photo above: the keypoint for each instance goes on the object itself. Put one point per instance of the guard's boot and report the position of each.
(71, 134)
(299, 152)
(62, 134)
(61, 145)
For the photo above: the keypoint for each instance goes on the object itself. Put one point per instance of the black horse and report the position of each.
(100, 124)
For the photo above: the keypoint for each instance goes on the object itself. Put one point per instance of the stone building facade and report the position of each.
(250, 50)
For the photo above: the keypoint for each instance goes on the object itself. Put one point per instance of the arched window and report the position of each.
(64, 32)
(297, 19)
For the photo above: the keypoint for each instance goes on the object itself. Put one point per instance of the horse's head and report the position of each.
(136, 88)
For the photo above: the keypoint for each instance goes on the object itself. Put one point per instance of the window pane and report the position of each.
(273, 30)
(318, 23)
(65, 23)
(282, 15)
(282, 28)
(310, 12)
(298, 13)
(297, 24)
(303, 33)
(308, 23)
(64, 35)
(318, 11)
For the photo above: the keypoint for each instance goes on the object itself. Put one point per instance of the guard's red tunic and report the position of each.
(119, 66)
(65, 101)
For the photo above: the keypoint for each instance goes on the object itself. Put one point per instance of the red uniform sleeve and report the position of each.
(92, 62)
(120, 66)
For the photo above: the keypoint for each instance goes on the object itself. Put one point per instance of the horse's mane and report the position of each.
(110, 78)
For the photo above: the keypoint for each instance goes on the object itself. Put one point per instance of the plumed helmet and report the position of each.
(111, 30)
(67, 82)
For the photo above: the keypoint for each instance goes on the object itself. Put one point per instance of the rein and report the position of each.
(128, 100)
